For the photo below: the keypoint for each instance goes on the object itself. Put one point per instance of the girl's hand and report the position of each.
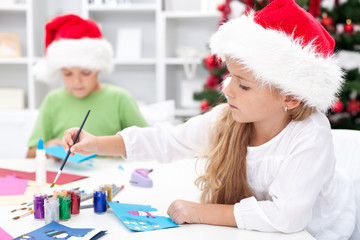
(86, 143)
(181, 211)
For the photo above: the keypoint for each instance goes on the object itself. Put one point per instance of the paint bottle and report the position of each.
(108, 189)
(99, 201)
(64, 207)
(40, 160)
(75, 201)
(59, 192)
(51, 207)
(39, 206)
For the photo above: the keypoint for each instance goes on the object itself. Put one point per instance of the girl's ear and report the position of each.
(291, 102)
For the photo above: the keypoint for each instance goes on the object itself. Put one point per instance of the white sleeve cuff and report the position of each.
(245, 207)
(124, 135)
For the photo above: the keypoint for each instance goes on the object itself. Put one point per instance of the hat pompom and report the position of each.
(41, 73)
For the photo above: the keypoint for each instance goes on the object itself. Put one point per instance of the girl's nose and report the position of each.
(227, 87)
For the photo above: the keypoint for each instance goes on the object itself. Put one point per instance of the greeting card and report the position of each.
(139, 218)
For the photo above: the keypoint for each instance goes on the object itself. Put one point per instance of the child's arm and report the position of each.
(90, 144)
(53, 142)
(181, 212)
(31, 152)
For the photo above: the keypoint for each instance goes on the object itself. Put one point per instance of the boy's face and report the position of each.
(248, 99)
(80, 82)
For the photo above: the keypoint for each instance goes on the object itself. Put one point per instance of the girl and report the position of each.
(271, 163)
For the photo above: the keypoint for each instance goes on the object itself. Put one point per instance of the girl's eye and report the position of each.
(244, 87)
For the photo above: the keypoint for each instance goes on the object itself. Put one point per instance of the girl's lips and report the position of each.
(232, 106)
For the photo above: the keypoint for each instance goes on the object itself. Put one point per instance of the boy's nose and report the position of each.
(77, 78)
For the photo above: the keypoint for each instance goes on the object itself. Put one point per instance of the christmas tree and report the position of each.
(341, 20)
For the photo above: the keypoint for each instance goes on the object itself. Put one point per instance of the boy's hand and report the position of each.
(51, 143)
(85, 145)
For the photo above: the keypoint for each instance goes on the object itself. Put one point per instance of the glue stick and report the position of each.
(40, 164)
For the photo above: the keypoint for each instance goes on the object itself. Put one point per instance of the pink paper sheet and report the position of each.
(50, 176)
(11, 185)
(4, 235)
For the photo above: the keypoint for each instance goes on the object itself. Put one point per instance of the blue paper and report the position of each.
(59, 151)
(57, 231)
(128, 214)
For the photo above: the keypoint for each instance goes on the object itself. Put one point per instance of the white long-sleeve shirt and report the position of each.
(292, 176)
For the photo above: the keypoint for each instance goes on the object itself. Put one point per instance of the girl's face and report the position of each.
(248, 100)
(80, 82)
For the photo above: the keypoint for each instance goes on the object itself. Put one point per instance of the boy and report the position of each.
(75, 47)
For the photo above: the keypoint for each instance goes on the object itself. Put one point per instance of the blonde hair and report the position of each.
(224, 181)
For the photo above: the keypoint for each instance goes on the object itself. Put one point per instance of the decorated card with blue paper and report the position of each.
(59, 151)
(138, 218)
(56, 230)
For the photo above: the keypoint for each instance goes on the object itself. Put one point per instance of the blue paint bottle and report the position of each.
(99, 201)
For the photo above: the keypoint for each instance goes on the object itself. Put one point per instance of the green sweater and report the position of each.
(112, 109)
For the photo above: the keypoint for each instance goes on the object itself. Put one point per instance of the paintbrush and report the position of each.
(32, 202)
(68, 153)
(19, 209)
(24, 215)
(27, 203)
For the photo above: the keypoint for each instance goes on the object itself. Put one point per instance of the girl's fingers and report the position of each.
(67, 140)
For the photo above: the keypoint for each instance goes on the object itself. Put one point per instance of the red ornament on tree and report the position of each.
(337, 107)
(209, 62)
(212, 62)
(328, 22)
(353, 106)
(349, 27)
(204, 105)
(220, 7)
(225, 10)
(212, 82)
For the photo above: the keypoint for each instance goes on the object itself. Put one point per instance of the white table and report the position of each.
(171, 181)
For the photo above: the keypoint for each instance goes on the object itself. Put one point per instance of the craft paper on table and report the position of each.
(19, 199)
(11, 185)
(138, 218)
(55, 230)
(50, 176)
(4, 235)
(59, 151)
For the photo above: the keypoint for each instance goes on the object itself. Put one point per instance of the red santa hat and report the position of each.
(73, 42)
(285, 47)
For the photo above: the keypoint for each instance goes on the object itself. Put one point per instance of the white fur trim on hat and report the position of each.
(280, 61)
(90, 53)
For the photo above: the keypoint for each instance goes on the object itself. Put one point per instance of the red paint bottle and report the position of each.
(75, 201)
